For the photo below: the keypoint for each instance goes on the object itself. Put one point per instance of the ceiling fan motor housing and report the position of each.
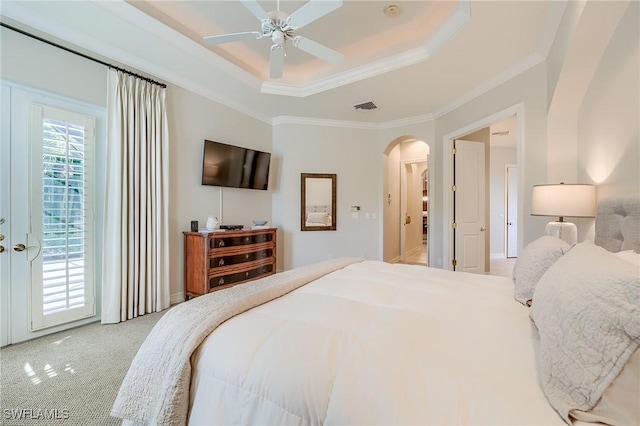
(278, 27)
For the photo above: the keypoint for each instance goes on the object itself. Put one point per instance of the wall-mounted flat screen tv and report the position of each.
(234, 166)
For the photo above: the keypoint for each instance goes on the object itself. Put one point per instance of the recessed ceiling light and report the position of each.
(391, 10)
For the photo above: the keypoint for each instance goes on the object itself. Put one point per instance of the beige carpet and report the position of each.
(70, 377)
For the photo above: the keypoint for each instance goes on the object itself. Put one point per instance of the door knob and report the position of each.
(20, 247)
(1, 249)
(509, 223)
(482, 228)
(1, 237)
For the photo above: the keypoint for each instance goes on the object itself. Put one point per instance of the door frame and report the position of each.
(447, 175)
(28, 95)
(5, 197)
(506, 211)
(403, 201)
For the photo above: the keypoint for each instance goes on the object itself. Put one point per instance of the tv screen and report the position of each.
(234, 166)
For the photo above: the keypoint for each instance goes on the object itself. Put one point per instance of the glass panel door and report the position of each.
(62, 279)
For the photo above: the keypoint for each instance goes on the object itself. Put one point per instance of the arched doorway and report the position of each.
(406, 178)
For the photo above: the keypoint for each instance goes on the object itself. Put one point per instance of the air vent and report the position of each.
(502, 133)
(368, 106)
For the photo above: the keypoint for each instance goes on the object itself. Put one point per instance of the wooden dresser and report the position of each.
(216, 260)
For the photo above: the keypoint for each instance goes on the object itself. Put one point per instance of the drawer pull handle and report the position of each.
(221, 243)
(221, 262)
(221, 281)
(247, 255)
(246, 274)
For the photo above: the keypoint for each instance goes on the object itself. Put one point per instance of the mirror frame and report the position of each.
(303, 201)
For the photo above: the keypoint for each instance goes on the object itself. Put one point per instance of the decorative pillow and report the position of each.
(619, 402)
(532, 263)
(587, 311)
(318, 217)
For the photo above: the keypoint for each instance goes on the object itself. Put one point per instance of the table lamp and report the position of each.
(563, 200)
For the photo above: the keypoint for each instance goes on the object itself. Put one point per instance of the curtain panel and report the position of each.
(136, 247)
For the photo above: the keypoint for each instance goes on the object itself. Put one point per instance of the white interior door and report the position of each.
(469, 207)
(47, 207)
(5, 248)
(512, 211)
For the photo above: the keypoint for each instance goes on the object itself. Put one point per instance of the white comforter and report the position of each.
(375, 343)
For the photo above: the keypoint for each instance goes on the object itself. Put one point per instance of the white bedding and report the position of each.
(375, 343)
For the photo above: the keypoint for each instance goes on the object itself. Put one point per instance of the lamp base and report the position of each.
(566, 231)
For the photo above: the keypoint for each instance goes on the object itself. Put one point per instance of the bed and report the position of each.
(349, 341)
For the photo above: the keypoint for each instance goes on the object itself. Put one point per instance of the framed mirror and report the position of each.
(318, 202)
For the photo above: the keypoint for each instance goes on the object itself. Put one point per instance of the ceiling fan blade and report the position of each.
(255, 8)
(276, 61)
(318, 50)
(227, 38)
(313, 10)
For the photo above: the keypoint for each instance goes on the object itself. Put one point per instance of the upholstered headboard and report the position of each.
(618, 223)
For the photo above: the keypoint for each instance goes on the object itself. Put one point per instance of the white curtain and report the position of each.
(135, 269)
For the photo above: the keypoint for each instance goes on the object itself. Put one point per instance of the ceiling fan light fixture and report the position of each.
(279, 26)
(278, 37)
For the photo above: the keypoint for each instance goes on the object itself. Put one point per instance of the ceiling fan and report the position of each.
(280, 27)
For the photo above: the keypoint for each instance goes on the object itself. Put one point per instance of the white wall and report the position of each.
(192, 119)
(608, 124)
(37, 65)
(350, 154)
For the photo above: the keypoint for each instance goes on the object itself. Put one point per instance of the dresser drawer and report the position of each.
(232, 259)
(238, 277)
(239, 240)
(217, 260)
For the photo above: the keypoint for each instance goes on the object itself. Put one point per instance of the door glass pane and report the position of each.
(64, 194)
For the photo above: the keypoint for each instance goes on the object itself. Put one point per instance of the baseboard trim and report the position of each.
(176, 298)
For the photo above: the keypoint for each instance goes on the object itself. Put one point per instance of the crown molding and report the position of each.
(447, 31)
(14, 11)
(133, 15)
(347, 77)
(20, 14)
(307, 121)
(418, 119)
(527, 63)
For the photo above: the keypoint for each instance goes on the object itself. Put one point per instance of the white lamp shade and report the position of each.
(572, 200)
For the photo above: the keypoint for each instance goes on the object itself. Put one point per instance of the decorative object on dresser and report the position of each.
(217, 260)
(259, 224)
(212, 223)
(573, 200)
